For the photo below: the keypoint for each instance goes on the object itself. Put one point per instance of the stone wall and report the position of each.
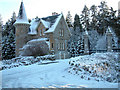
(61, 36)
(21, 36)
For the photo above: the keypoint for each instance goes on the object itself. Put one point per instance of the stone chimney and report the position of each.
(54, 13)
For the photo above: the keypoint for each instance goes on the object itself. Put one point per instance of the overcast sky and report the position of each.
(43, 8)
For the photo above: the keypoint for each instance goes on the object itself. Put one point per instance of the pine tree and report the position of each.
(77, 23)
(94, 22)
(85, 18)
(69, 19)
(103, 17)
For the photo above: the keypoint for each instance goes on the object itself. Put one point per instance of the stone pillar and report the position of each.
(0, 42)
(86, 46)
(109, 40)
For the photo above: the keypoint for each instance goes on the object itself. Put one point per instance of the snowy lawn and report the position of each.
(53, 75)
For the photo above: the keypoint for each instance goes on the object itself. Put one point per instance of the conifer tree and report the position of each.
(103, 17)
(85, 18)
(8, 40)
(69, 19)
(77, 22)
(94, 21)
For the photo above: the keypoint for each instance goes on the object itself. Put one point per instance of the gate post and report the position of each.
(109, 40)
(86, 46)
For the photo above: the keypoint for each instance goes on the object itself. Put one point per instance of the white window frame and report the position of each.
(40, 32)
(62, 32)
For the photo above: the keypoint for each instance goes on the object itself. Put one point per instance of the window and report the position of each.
(61, 32)
(43, 31)
(40, 32)
(58, 46)
(63, 46)
(52, 45)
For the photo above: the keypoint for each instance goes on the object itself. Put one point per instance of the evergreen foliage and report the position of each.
(8, 39)
(69, 19)
(85, 18)
(77, 22)
(96, 21)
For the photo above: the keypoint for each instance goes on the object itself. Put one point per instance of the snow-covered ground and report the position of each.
(52, 75)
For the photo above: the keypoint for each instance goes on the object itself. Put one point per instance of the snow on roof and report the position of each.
(37, 40)
(22, 17)
(109, 30)
(45, 23)
(34, 25)
(52, 28)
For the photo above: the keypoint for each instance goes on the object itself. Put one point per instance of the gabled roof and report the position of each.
(34, 24)
(22, 17)
(49, 22)
(54, 23)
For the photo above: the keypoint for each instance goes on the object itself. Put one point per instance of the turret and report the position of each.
(22, 27)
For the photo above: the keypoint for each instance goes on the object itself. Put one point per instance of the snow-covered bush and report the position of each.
(35, 48)
(25, 60)
(99, 66)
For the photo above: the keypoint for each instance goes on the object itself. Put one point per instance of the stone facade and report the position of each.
(60, 39)
(52, 27)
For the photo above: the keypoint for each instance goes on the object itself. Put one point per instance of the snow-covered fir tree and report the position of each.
(93, 12)
(8, 40)
(77, 22)
(69, 19)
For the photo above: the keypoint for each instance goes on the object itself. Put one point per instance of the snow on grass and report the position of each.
(53, 75)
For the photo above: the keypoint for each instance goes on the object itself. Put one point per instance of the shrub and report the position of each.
(35, 48)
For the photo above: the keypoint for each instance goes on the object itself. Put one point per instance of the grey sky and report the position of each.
(43, 8)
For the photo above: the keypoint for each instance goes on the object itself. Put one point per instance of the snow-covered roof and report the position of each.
(52, 28)
(49, 22)
(22, 17)
(39, 39)
(45, 23)
(34, 25)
